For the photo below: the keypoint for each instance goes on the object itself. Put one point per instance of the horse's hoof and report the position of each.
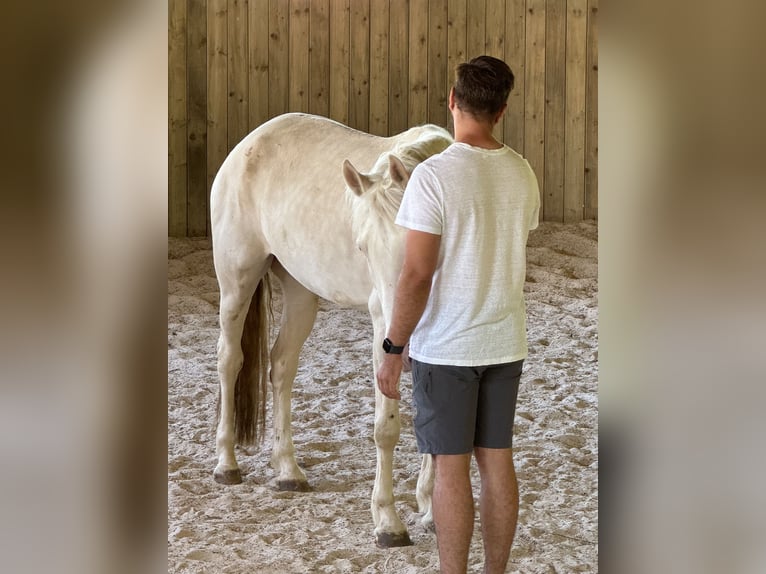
(228, 476)
(293, 485)
(388, 540)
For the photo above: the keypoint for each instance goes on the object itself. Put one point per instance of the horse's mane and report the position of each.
(431, 140)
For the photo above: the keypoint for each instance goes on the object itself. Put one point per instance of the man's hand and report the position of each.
(389, 372)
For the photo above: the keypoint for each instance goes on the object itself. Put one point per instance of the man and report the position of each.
(459, 303)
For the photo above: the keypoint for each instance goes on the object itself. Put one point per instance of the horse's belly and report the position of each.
(333, 283)
(342, 280)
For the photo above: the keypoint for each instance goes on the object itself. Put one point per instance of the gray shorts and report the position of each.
(458, 408)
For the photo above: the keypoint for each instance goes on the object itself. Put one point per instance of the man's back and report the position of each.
(482, 202)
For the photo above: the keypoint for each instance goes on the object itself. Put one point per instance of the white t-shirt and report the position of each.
(483, 204)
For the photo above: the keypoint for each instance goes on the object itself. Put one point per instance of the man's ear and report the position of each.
(452, 98)
(358, 182)
(500, 113)
(398, 172)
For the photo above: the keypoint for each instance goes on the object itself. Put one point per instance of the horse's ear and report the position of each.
(355, 180)
(398, 172)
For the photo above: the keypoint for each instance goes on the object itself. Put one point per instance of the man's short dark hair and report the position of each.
(482, 86)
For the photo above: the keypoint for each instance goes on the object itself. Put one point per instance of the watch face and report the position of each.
(389, 347)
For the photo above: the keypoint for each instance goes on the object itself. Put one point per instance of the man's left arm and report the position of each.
(421, 255)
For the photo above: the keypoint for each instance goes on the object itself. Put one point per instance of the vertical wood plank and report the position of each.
(477, 28)
(319, 58)
(534, 98)
(591, 115)
(398, 71)
(494, 45)
(574, 178)
(379, 66)
(217, 104)
(437, 62)
(237, 71)
(198, 183)
(299, 56)
(418, 58)
(494, 41)
(457, 24)
(278, 57)
(258, 63)
(339, 59)
(515, 57)
(359, 98)
(177, 118)
(555, 84)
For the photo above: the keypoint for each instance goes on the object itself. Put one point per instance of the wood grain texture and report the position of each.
(279, 44)
(359, 99)
(437, 62)
(237, 39)
(494, 45)
(418, 80)
(258, 63)
(177, 118)
(574, 175)
(298, 72)
(319, 58)
(217, 106)
(534, 97)
(476, 32)
(555, 84)
(339, 59)
(457, 27)
(591, 114)
(398, 71)
(379, 64)
(515, 57)
(197, 92)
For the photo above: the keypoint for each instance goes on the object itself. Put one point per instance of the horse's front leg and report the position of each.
(425, 490)
(389, 529)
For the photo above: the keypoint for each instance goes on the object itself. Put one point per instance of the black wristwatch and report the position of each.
(391, 349)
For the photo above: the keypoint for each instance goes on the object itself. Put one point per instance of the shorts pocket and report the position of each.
(422, 378)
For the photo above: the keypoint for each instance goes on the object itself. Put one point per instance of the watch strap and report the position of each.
(391, 349)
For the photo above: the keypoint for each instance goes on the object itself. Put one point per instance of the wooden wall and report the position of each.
(379, 66)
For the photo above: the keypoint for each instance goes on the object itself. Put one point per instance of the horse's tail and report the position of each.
(251, 387)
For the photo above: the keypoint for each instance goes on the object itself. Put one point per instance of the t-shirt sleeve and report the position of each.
(534, 216)
(421, 208)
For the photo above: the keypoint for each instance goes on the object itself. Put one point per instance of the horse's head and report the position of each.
(375, 198)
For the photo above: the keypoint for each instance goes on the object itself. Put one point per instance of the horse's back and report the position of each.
(281, 192)
(291, 154)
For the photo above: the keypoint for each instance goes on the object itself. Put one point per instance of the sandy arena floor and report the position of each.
(252, 527)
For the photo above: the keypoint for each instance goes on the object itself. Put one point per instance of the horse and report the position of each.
(289, 202)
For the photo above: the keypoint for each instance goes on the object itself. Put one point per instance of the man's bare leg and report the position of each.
(453, 511)
(498, 506)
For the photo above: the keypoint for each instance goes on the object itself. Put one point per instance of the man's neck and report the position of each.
(477, 134)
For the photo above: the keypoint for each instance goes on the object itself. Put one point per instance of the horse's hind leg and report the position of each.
(299, 309)
(237, 288)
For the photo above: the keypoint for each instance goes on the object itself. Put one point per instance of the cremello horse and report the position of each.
(289, 200)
